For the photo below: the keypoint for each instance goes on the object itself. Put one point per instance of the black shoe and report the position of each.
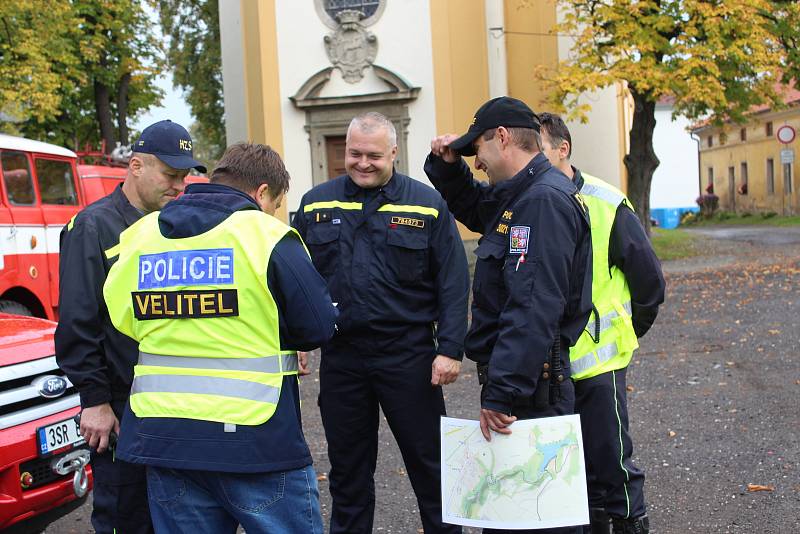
(599, 522)
(639, 525)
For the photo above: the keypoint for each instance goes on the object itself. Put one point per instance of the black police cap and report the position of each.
(169, 142)
(501, 111)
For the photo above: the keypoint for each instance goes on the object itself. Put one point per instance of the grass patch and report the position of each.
(675, 244)
(725, 218)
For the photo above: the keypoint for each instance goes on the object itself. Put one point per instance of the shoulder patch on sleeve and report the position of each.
(519, 239)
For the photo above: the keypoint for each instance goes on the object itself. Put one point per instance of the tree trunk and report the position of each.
(641, 162)
(102, 104)
(122, 108)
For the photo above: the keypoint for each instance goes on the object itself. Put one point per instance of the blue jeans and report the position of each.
(197, 502)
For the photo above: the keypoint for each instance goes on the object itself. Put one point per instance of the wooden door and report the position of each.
(334, 149)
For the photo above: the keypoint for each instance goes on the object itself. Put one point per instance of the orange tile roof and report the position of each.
(791, 97)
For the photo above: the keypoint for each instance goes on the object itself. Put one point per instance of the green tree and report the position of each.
(78, 71)
(783, 20)
(204, 150)
(122, 58)
(38, 60)
(195, 57)
(715, 58)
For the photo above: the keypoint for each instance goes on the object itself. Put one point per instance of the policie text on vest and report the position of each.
(186, 268)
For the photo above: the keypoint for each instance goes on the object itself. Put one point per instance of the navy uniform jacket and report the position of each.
(532, 275)
(96, 358)
(630, 250)
(393, 260)
(306, 320)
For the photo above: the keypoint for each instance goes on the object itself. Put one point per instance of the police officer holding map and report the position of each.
(532, 286)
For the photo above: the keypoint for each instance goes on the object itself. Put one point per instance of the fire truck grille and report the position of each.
(23, 397)
(41, 471)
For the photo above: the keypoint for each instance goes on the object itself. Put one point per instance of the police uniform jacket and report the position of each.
(532, 274)
(392, 258)
(96, 358)
(306, 320)
(630, 250)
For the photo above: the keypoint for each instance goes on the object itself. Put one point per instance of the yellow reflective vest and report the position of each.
(205, 320)
(608, 341)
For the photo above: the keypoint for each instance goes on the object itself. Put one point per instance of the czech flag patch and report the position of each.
(519, 239)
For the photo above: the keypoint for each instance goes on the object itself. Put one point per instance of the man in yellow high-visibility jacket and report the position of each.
(627, 288)
(220, 294)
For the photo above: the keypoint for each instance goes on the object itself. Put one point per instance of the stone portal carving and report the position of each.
(351, 48)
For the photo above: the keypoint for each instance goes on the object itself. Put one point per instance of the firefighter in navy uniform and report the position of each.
(396, 267)
(219, 295)
(627, 289)
(532, 285)
(96, 358)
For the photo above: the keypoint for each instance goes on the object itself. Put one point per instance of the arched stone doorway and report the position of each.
(327, 118)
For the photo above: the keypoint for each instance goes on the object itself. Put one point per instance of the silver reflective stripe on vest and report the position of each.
(276, 363)
(602, 193)
(605, 321)
(207, 385)
(289, 363)
(585, 363)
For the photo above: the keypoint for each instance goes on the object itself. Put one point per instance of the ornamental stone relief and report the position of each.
(351, 48)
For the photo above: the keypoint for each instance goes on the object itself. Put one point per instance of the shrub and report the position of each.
(769, 215)
(708, 205)
(688, 218)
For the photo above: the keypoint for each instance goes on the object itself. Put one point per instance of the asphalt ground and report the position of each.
(714, 394)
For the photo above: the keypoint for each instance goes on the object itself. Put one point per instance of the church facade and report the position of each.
(295, 73)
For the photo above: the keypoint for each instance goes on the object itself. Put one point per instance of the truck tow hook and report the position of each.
(74, 462)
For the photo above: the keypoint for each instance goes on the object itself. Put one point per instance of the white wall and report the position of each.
(596, 145)
(404, 47)
(233, 84)
(675, 180)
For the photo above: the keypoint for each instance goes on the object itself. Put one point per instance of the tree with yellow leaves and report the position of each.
(75, 72)
(37, 57)
(715, 58)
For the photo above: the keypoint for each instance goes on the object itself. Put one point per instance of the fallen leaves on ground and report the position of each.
(759, 487)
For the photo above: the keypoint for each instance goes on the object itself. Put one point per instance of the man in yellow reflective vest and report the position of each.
(627, 288)
(219, 295)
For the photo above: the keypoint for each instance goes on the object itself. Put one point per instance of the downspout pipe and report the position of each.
(496, 47)
(696, 139)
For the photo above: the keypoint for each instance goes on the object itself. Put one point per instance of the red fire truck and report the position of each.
(41, 187)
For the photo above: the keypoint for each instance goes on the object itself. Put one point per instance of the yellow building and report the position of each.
(750, 168)
(296, 71)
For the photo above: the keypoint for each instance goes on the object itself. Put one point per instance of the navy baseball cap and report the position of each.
(169, 142)
(501, 111)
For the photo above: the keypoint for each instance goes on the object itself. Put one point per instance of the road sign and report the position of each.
(787, 155)
(785, 134)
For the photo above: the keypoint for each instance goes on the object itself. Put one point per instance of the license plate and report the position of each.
(53, 437)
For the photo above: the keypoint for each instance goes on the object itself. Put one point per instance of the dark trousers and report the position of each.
(563, 405)
(120, 492)
(615, 484)
(354, 382)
